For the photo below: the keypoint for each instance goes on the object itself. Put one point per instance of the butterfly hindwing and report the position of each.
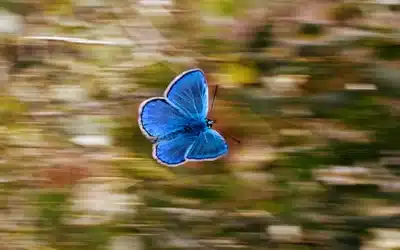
(172, 152)
(209, 145)
(189, 93)
(158, 118)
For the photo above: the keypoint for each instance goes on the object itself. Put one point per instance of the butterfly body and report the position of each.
(177, 123)
(193, 128)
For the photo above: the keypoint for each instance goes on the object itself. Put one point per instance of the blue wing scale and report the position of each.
(189, 93)
(157, 118)
(172, 152)
(209, 145)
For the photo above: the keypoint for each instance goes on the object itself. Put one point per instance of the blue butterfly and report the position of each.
(177, 123)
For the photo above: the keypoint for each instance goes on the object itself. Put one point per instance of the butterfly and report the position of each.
(177, 123)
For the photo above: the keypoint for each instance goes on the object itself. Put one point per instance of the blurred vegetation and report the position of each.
(346, 12)
(310, 88)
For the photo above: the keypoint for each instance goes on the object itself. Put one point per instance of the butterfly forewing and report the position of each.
(157, 118)
(189, 93)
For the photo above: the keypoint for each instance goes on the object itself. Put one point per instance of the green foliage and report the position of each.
(302, 164)
(317, 50)
(345, 12)
(128, 134)
(85, 238)
(10, 110)
(60, 7)
(311, 29)
(388, 50)
(238, 74)
(217, 189)
(140, 169)
(52, 208)
(19, 7)
(386, 78)
(204, 193)
(158, 199)
(348, 153)
(212, 46)
(394, 7)
(261, 39)
(98, 90)
(224, 7)
(365, 114)
(157, 75)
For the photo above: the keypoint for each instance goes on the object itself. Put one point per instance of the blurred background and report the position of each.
(310, 88)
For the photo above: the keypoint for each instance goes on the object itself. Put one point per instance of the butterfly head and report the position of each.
(209, 123)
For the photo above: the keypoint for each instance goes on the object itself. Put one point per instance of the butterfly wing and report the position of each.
(188, 92)
(158, 118)
(172, 152)
(209, 145)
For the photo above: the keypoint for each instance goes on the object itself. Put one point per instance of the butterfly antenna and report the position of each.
(215, 94)
(212, 105)
(233, 138)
